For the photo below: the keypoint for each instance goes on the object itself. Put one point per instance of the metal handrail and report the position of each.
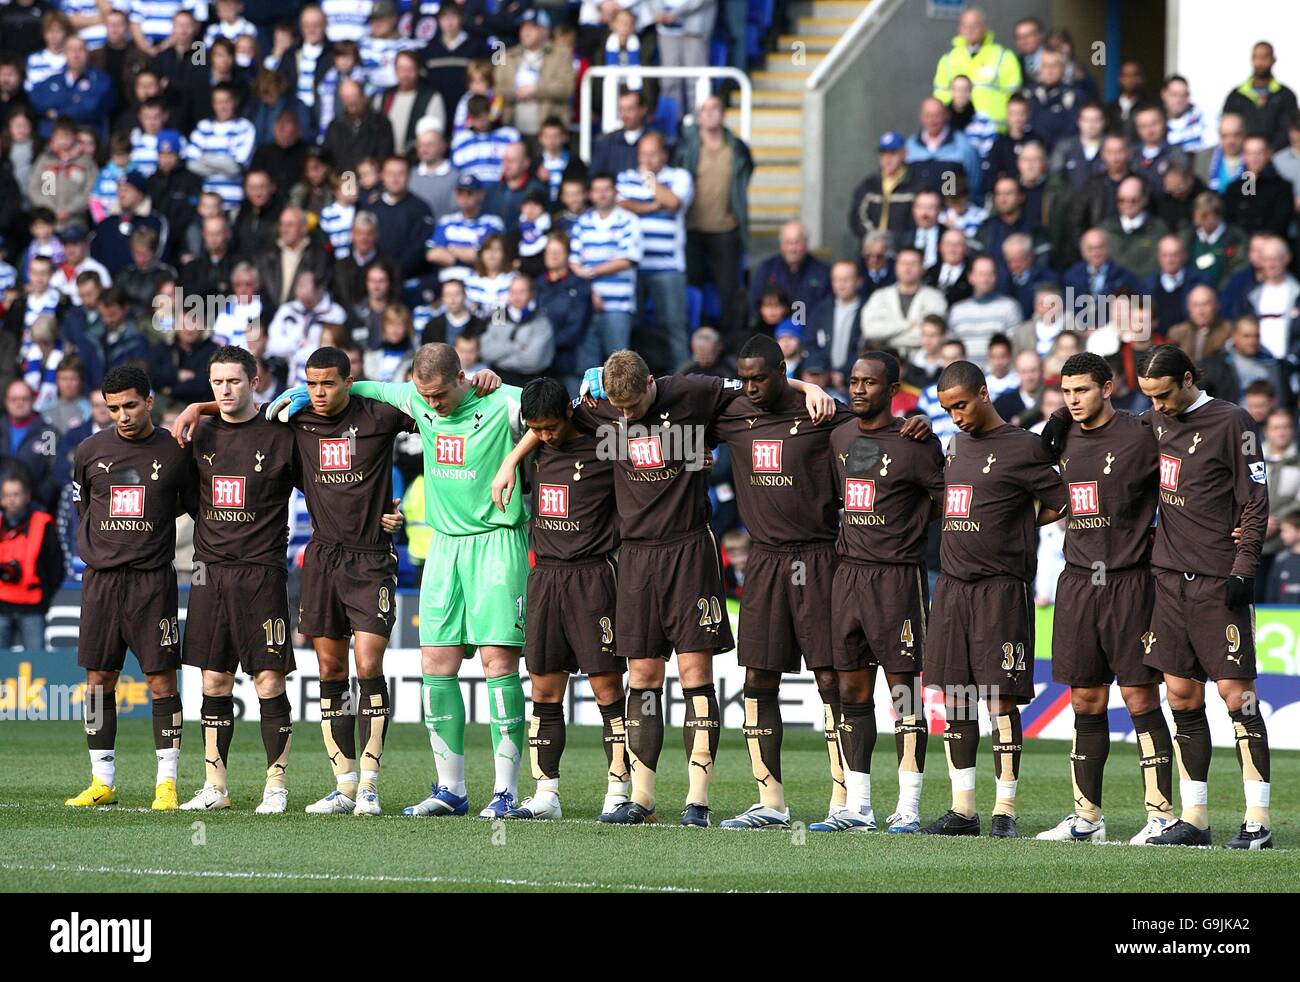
(614, 74)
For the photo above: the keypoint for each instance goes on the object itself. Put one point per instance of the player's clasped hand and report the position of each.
(393, 520)
(183, 429)
(503, 486)
(1241, 591)
(1053, 435)
(593, 384)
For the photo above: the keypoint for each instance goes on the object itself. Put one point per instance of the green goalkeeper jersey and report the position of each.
(462, 453)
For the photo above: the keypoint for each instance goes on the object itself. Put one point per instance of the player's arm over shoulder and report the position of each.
(399, 395)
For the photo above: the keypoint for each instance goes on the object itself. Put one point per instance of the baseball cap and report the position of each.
(73, 233)
(468, 182)
(891, 140)
(538, 196)
(169, 141)
(136, 179)
(534, 16)
(788, 328)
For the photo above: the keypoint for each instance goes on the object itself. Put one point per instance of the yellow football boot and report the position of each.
(164, 797)
(97, 794)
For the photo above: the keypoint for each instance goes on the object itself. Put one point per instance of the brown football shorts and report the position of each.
(571, 617)
(1099, 628)
(347, 591)
(1195, 634)
(238, 616)
(786, 607)
(129, 608)
(981, 634)
(878, 617)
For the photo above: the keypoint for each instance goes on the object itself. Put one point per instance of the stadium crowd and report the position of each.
(177, 175)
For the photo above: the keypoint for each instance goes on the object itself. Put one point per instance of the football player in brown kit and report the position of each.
(129, 484)
(1212, 480)
(238, 614)
(981, 641)
(670, 592)
(572, 592)
(891, 488)
(1110, 464)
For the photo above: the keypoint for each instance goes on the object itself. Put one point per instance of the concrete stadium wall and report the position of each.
(1209, 42)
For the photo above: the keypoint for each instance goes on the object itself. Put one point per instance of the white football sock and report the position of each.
(103, 765)
(167, 762)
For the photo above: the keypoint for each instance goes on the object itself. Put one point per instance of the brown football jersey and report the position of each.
(245, 473)
(780, 464)
(663, 458)
(1212, 479)
(128, 493)
(574, 515)
(991, 482)
(1111, 473)
(347, 471)
(887, 483)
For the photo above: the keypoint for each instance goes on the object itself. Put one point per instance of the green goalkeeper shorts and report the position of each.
(473, 589)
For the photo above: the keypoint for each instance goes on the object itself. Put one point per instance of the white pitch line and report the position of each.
(283, 876)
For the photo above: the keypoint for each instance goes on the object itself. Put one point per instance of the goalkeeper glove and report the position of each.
(1053, 436)
(593, 383)
(289, 403)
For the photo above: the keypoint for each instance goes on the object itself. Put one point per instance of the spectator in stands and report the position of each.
(433, 180)
(773, 310)
(1287, 162)
(293, 251)
(1010, 218)
(1175, 201)
(1053, 102)
(528, 241)
(883, 201)
(939, 150)
(566, 298)
(1031, 169)
(834, 325)
(1132, 93)
(294, 332)
(1261, 199)
(71, 408)
(179, 366)
(948, 275)
(975, 55)
(450, 53)
(494, 270)
(1187, 127)
(922, 371)
(29, 444)
(1260, 400)
(257, 219)
(173, 190)
(456, 319)
(928, 404)
(923, 231)
(1215, 249)
(358, 132)
(1283, 475)
(404, 221)
(241, 322)
(717, 222)
(1046, 319)
(1233, 292)
(683, 29)
(997, 372)
(553, 155)
(659, 195)
(795, 270)
(1060, 40)
(382, 289)
(1133, 232)
(607, 247)
(1240, 362)
(1284, 575)
(1077, 158)
(478, 150)
(519, 344)
(892, 316)
(410, 103)
(1019, 406)
(1224, 164)
(506, 196)
(222, 146)
(453, 247)
(62, 176)
(616, 152)
(141, 280)
(208, 273)
(959, 213)
(305, 63)
(76, 260)
(77, 92)
(1005, 149)
(1276, 300)
(1150, 156)
(349, 281)
(1020, 273)
(708, 356)
(285, 157)
(535, 80)
(1204, 331)
(986, 313)
(874, 265)
(1095, 276)
(1028, 35)
(1096, 202)
(391, 360)
(1264, 103)
(1170, 286)
(31, 565)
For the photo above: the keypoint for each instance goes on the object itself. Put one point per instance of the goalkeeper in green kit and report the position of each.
(475, 578)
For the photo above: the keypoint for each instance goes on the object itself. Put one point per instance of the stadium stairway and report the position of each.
(777, 135)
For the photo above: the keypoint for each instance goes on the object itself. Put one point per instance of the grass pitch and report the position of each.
(45, 846)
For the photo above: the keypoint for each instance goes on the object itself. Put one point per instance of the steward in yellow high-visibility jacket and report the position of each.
(994, 72)
(418, 533)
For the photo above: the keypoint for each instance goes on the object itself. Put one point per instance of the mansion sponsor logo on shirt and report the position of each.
(449, 456)
(1085, 507)
(125, 510)
(336, 460)
(649, 449)
(1170, 468)
(553, 509)
(860, 502)
(765, 457)
(957, 501)
(228, 496)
